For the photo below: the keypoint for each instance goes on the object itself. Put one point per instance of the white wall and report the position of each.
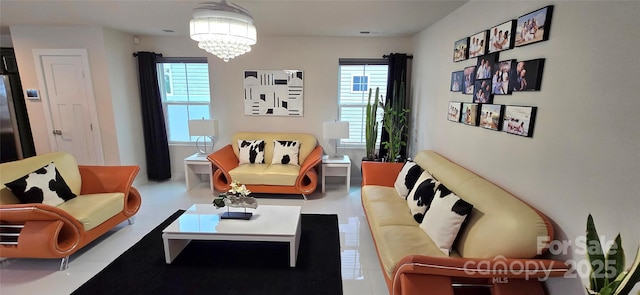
(125, 98)
(317, 57)
(584, 156)
(27, 38)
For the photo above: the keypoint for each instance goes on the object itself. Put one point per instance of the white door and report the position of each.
(72, 118)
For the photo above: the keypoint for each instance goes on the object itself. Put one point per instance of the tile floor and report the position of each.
(361, 273)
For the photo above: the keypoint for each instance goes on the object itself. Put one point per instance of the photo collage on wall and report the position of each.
(491, 77)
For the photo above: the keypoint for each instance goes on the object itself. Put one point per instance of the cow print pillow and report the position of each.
(445, 217)
(251, 151)
(44, 185)
(285, 152)
(419, 199)
(407, 178)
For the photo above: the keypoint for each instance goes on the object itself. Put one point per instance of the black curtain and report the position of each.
(397, 73)
(156, 145)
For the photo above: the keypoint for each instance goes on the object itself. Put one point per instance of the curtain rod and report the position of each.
(135, 54)
(387, 56)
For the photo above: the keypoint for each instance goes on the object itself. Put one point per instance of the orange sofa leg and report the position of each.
(518, 287)
(425, 284)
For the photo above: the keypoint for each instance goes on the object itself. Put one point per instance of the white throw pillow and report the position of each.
(285, 152)
(445, 217)
(407, 178)
(251, 151)
(44, 185)
(419, 199)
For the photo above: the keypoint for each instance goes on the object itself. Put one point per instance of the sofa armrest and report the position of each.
(498, 267)
(314, 158)
(107, 179)
(48, 231)
(380, 173)
(224, 159)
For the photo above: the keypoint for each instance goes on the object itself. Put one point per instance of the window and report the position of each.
(359, 83)
(184, 85)
(357, 76)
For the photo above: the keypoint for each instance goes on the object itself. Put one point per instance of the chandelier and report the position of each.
(222, 29)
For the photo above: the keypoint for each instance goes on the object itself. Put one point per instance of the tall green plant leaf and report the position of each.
(632, 277)
(616, 259)
(595, 256)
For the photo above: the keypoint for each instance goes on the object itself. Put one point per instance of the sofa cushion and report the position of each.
(92, 210)
(407, 178)
(44, 185)
(285, 152)
(248, 173)
(445, 217)
(308, 142)
(419, 199)
(280, 175)
(395, 242)
(251, 151)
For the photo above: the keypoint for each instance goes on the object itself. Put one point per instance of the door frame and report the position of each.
(91, 99)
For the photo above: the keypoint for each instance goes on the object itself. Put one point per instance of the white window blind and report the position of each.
(184, 87)
(353, 104)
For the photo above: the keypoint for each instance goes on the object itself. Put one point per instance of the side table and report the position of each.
(336, 167)
(194, 165)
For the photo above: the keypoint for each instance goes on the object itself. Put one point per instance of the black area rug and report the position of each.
(219, 267)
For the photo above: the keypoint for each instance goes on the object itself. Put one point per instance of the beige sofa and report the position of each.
(268, 178)
(502, 235)
(105, 198)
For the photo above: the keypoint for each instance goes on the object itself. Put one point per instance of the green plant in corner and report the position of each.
(371, 125)
(608, 275)
(395, 121)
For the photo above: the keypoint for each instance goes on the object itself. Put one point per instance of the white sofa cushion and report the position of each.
(251, 151)
(445, 217)
(44, 185)
(407, 178)
(285, 152)
(94, 209)
(419, 199)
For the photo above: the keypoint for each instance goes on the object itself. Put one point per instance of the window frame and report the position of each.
(359, 62)
(166, 103)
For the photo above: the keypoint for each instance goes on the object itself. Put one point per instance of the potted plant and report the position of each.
(395, 121)
(371, 126)
(608, 275)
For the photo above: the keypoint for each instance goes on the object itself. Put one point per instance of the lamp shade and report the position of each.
(203, 127)
(335, 130)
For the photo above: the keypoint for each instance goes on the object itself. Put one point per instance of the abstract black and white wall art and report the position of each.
(273, 93)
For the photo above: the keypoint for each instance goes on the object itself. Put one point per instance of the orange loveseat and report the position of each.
(268, 178)
(497, 251)
(105, 198)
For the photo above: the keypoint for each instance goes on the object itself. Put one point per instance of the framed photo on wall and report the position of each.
(501, 36)
(469, 76)
(482, 91)
(469, 114)
(454, 111)
(519, 120)
(503, 79)
(478, 44)
(491, 116)
(461, 49)
(485, 65)
(457, 81)
(534, 27)
(528, 75)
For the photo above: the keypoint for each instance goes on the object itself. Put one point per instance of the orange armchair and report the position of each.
(105, 198)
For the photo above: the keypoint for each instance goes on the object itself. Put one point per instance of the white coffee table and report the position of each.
(202, 222)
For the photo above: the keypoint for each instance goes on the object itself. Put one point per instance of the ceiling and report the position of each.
(271, 17)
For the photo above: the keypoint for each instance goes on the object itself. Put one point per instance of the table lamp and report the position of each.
(335, 131)
(203, 129)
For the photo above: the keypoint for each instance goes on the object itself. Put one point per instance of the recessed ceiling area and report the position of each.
(320, 18)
